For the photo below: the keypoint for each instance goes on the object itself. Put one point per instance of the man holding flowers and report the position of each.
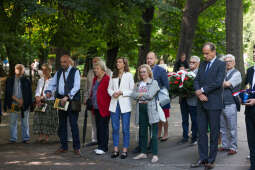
(189, 107)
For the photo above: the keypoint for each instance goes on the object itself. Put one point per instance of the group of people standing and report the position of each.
(108, 95)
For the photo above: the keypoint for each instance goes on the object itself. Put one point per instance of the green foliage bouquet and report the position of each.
(181, 83)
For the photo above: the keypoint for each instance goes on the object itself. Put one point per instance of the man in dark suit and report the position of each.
(209, 87)
(250, 113)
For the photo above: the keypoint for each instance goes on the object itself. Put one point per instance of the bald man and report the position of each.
(66, 85)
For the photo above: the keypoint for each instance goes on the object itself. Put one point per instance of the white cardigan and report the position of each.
(126, 86)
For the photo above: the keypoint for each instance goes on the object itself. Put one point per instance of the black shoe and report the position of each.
(136, 150)
(91, 144)
(183, 141)
(123, 155)
(115, 154)
(199, 163)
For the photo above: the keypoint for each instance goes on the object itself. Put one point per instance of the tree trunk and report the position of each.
(145, 29)
(188, 26)
(2, 71)
(234, 32)
(43, 56)
(60, 52)
(11, 59)
(111, 55)
(192, 10)
(92, 52)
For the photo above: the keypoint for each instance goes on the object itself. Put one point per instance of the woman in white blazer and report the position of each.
(120, 88)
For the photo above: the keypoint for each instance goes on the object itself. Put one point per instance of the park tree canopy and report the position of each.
(87, 28)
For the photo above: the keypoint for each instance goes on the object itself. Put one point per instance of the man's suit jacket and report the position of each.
(160, 75)
(248, 80)
(212, 83)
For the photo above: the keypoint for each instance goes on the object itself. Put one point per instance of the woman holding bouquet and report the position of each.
(45, 117)
(146, 111)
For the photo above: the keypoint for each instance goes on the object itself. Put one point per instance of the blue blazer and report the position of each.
(160, 75)
(212, 83)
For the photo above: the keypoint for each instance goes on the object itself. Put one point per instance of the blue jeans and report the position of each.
(116, 126)
(187, 110)
(62, 129)
(24, 126)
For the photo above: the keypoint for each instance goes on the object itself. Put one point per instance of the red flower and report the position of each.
(170, 82)
(186, 78)
(178, 78)
(180, 73)
(176, 82)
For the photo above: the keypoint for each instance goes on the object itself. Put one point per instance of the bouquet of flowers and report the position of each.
(181, 83)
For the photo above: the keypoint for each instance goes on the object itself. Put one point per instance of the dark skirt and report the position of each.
(46, 122)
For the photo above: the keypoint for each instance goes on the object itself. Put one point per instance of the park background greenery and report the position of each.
(46, 29)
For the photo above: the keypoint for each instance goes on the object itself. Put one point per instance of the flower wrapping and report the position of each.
(181, 83)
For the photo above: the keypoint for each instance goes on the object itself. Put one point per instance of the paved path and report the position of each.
(172, 156)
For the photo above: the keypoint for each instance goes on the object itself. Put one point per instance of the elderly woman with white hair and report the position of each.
(18, 100)
(101, 102)
(228, 129)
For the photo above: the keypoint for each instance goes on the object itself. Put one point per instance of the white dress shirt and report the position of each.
(211, 63)
(253, 80)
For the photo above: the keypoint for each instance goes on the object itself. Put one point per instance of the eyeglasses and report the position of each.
(192, 62)
(229, 61)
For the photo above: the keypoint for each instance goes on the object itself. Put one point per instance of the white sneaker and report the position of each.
(154, 159)
(100, 152)
(96, 150)
(140, 156)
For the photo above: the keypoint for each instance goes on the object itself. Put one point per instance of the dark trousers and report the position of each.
(204, 118)
(186, 111)
(250, 126)
(62, 129)
(143, 131)
(102, 124)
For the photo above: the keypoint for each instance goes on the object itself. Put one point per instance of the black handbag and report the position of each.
(75, 105)
(89, 105)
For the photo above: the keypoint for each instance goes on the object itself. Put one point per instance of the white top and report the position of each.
(39, 88)
(126, 86)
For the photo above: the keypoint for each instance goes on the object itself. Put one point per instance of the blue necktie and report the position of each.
(208, 66)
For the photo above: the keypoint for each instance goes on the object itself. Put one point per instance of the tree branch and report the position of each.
(207, 5)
